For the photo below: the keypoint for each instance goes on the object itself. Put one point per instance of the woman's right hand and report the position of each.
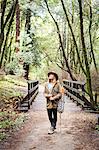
(48, 95)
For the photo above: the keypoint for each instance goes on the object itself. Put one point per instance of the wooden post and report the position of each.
(96, 98)
(28, 95)
(83, 91)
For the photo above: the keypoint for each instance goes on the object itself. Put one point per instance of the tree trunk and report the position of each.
(7, 34)
(26, 70)
(27, 28)
(88, 75)
(90, 36)
(9, 46)
(4, 23)
(17, 26)
(3, 7)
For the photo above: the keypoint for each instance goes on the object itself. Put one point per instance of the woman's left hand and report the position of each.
(51, 98)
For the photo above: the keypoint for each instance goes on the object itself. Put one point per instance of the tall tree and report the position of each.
(17, 26)
(3, 8)
(90, 33)
(27, 28)
(73, 36)
(9, 17)
(88, 75)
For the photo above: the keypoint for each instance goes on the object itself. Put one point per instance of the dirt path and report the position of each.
(77, 130)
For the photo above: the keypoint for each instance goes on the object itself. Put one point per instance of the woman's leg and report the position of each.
(49, 111)
(54, 118)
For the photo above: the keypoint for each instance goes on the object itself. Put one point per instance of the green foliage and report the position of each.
(12, 67)
(2, 136)
(10, 121)
(9, 79)
(20, 120)
(10, 90)
(6, 124)
(97, 106)
(97, 127)
(29, 52)
(40, 47)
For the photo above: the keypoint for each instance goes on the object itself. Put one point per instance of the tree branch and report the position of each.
(73, 37)
(61, 43)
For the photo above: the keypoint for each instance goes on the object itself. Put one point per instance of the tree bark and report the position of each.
(27, 28)
(8, 47)
(88, 75)
(17, 26)
(90, 36)
(4, 23)
(3, 7)
(7, 34)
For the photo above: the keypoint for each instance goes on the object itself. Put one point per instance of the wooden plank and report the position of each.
(77, 99)
(73, 89)
(33, 89)
(81, 97)
(22, 109)
(24, 105)
(76, 82)
(33, 97)
(32, 81)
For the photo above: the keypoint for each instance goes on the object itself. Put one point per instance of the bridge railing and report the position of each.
(33, 87)
(32, 91)
(76, 91)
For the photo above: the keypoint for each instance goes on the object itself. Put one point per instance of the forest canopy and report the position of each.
(62, 35)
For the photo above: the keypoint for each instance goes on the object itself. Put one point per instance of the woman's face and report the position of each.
(52, 78)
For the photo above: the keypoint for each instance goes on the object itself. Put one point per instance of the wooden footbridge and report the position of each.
(73, 89)
(74, 127)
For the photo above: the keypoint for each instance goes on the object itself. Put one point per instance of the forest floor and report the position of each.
(77, 130)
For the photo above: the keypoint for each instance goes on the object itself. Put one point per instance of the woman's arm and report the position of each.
(47, 95)
(55, 97)
(58, 95)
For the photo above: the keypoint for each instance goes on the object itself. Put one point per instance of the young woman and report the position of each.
(52, 94)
